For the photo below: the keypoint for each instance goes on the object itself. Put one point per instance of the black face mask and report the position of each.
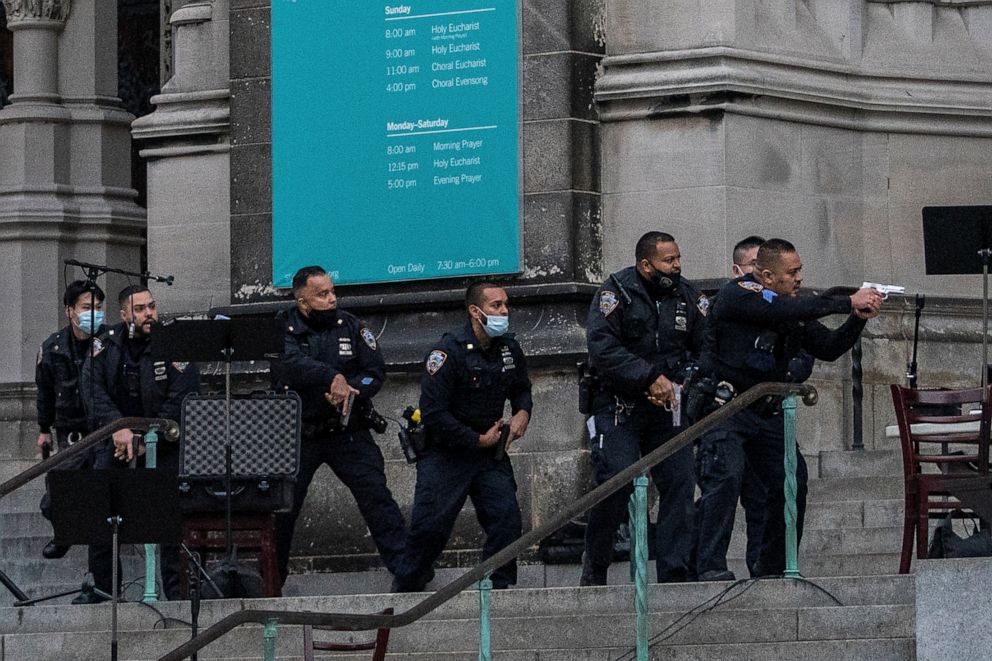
(665, 282)
(321, 319)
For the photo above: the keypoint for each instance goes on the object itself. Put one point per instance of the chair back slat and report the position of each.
(934, 447)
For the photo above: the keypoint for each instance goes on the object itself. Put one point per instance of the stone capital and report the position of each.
(39, 13)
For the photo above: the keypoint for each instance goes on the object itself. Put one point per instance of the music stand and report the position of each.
(111, 506)
(958, 241)
(244, 338)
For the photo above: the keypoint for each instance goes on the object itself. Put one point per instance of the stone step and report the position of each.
(859, 463)
(528, 633)
(25, 499)
(761, 595)
(891, 649)
(884, 487)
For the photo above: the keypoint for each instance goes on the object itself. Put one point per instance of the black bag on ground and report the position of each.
(947, 544)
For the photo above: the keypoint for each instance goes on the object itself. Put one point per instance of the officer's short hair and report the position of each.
(128, 292)
(303, 275)
(753, 241)
(647, 245)
(473, 295)
(772, 250)
(79, 287)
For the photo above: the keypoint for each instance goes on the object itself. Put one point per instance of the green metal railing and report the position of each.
(169, 429)
(355, 622)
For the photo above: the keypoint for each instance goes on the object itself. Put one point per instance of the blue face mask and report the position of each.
(90, 322)
(496, 325)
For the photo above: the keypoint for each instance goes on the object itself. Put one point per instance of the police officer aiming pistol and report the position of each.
(762, 330)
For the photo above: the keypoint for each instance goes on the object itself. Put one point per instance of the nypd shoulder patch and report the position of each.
(369, 338)
(435, 360)
(750, 285)
(608, 302)
(703, 304)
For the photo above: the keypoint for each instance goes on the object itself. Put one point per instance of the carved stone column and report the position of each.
(36, 24)
(187, 146)
(65, 184)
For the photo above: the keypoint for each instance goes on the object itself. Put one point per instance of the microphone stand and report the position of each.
(93, 271)
(911, 367)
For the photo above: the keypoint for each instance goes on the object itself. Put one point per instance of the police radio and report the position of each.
(413, 439)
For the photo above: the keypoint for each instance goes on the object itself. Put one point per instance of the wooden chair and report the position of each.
(926, 439)
(378, 645)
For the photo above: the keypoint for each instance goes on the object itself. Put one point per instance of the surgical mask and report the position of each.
(496, 325)
(89, 321)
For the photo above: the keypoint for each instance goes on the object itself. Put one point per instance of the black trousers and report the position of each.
(445, 480)
(619, 443)
(357, 461)
(748, 441)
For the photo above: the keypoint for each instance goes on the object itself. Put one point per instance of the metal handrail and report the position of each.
(353, 622)
(168, 428)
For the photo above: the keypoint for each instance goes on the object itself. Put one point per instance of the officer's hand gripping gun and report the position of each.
(504, 436)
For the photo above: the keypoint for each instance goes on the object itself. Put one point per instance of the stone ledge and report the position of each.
(722, 79)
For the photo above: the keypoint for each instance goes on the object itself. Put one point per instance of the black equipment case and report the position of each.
(265, 452)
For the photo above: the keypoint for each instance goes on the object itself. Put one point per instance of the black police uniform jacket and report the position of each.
(313, 358)
(633, 338)
(58, 377)
(756, 335)
(465, 387)
(163, 384)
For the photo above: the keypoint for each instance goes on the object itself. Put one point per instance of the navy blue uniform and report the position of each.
(60, 397)
(635, 333)
(758, 336)
(463, 393)
(126, 382)
(313, 357)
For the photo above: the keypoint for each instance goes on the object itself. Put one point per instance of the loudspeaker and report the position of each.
(265, 452)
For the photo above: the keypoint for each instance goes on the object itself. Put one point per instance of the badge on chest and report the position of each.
(681, 316)
(344, 346)
(507, 356)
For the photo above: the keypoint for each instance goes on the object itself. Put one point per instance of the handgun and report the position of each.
(884, 290)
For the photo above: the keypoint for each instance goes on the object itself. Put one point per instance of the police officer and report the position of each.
(127, 382)
(760, 328)
(332, 360)
(644, 325)
(470, 374)
(708, 460)
(57, 375)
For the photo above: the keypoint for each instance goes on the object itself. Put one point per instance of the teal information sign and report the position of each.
(395, 138)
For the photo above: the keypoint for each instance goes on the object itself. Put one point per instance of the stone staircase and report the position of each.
(849, 618)
(852, 607)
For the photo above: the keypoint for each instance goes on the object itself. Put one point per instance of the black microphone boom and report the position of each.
(93, 271)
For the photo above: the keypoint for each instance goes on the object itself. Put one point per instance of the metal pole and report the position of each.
(269, 635)
(791, 510)
(857, 395)
(985, 253)
(151, 459)
(639, 561)
(485, 633)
